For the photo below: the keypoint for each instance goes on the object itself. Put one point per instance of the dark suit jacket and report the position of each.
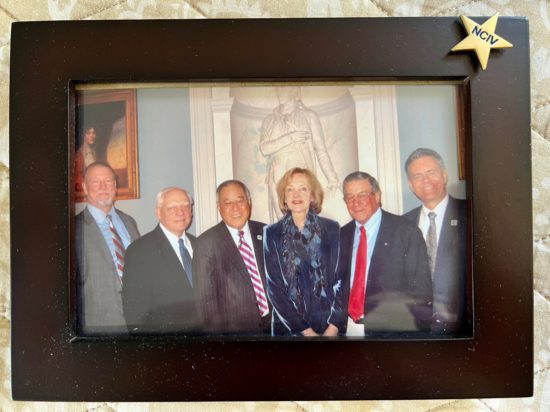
(399, 288)
(450, 273)
(156, 294)
(99, 302)
(225, 296)
(286, 318)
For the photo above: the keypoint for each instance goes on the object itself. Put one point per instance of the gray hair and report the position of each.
(162, 193)
(99, 164)
(363, 176)
(232, 182)
(423, 152)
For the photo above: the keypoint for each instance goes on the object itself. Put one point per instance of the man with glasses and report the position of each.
(102, 233)
(158, 275)
(442, 220)
(384, 264)
(229, 267)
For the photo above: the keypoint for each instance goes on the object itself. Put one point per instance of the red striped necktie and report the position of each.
(250, 263)
(119, 247)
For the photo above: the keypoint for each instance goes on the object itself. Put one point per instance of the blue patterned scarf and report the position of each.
(297, 247)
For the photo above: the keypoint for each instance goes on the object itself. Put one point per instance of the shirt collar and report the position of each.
(99, 215)
(171, 237)
(235, 232)
(439, 210)
(372, 222)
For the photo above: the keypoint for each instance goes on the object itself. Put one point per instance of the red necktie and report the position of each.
(357, 295)
(250, 263)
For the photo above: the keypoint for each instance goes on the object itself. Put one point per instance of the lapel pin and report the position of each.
(454, 222)
(481, 38)
(259, 237)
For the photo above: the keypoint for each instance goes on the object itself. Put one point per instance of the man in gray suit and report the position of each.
(443, 222)
(102, 235)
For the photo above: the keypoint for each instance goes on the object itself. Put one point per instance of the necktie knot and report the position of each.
(432, 215)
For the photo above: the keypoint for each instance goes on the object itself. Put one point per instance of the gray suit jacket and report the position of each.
(99, 301)
(450, 277)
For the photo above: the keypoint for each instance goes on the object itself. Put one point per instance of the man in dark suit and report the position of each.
(442, 220)
(101, 235)
(384, 265)
(158, 278)
(230, 298)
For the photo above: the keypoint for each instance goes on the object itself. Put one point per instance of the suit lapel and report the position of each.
(230, 250)
(168, 255)
(382, 241)
(96, 236)
(129, 227)
(449, 226)
(256, 232)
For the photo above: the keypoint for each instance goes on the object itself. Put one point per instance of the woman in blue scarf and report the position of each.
(301, 258)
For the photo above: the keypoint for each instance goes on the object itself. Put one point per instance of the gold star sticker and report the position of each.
(481, 38)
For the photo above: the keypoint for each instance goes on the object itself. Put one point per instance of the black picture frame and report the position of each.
(48, 58)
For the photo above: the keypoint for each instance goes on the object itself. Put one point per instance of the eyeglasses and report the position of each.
(360, 197)
(430, 174)
(176, 208)
(227, 204)
(97, 183)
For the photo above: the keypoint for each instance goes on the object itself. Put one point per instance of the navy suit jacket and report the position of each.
(156, 294)
(225, 296)
(286, 319)
(450, 274)
(399, 289)
(98, 285)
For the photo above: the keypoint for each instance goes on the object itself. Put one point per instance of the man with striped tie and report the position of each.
(101, 237)
(158, 294)
(229, 268)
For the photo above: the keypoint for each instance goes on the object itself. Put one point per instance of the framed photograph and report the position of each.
(106, 126)
(203, 118)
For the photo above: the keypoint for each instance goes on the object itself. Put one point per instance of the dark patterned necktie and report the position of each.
(186, 259)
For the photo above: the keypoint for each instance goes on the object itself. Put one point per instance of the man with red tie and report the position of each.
(384, 265)
(229, 268)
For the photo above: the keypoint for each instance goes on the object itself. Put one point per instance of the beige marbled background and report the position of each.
(538, 12)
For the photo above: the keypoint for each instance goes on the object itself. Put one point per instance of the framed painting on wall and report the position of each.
(106, 131)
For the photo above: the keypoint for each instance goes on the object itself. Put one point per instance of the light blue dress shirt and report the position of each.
(101, 219)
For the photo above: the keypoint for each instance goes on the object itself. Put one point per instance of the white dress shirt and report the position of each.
(424, 221)
(174, 242)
